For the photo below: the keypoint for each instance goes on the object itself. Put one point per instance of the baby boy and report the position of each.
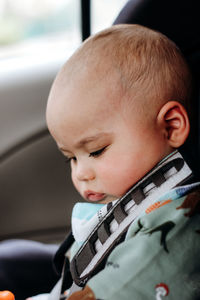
(116, 109)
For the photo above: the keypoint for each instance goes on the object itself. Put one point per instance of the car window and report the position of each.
(32, 27)
(104, 12)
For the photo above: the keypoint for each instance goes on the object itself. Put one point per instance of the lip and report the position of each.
(94, 196)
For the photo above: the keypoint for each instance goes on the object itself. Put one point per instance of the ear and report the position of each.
(175, 122)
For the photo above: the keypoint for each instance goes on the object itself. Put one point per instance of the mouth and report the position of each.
(93, 196)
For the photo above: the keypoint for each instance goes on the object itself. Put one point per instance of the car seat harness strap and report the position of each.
(111, 230)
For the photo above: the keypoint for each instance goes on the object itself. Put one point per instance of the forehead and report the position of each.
(86, 88)
(86, 100)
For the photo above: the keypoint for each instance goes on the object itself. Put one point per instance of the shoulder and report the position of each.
(161, 246)
(178, 208)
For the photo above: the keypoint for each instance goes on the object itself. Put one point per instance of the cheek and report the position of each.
(118, 175)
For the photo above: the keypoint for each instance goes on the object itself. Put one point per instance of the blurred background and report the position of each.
(36, 38)
(37, 26)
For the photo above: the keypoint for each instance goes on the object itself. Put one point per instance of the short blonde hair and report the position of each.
(145, 59)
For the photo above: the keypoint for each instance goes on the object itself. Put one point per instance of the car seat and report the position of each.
(179, 20)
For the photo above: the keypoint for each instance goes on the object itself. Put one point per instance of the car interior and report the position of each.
(37, 195)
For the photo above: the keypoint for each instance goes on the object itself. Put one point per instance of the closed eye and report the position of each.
(98, 152)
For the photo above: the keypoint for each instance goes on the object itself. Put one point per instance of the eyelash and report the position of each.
(92, 154)
(97, 153)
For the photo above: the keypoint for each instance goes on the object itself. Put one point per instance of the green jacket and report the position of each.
(160, 257)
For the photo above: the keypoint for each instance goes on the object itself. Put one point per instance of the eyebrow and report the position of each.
(91, 138)
(88, 140)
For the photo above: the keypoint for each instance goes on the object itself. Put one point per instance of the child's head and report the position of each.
(116, 108)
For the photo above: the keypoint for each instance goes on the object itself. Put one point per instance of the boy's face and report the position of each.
(109, 150)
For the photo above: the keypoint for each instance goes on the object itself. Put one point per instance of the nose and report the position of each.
(84, 172)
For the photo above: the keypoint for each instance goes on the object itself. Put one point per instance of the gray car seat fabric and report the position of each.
(26, 267)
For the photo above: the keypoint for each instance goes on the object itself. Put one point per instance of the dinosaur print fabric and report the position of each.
(159, 258)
